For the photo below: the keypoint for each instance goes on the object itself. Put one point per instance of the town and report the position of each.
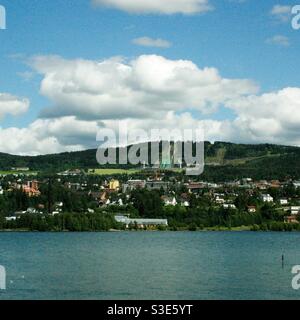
(157, 199)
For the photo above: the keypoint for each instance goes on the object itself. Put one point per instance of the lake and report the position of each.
(149, 265)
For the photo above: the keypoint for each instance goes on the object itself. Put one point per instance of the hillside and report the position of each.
(223, 160)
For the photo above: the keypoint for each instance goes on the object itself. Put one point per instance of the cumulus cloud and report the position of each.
(149, 42)
(157, 6)
(279, 40)
(149, 92)
(264, 118)
(145, 87)
(45, 136)
(271, 117)
(282, 12)
(12, 105)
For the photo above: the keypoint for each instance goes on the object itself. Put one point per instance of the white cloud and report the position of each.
(26, 75)
(282, 12)
(149, 42)
(145, 87)
(157, 6)
(271, 117)
(12, 105)
(45, 136)
(264, 118)
(149, 92)
(279, 40)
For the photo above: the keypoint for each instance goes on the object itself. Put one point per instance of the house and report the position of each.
(185, 204)
(185, 200)
(133, 184)
(275, 184)
(31, 211)
(100, 197)
(75, 172)
(294, 210)
(251, 209)
(194, 187)
(229, 206)
(296, 184)
(73, 186)
(141, 223)
(114, 185)
(262, 185)
(10, 218)
(284, 202)
(20, 169)
(19, 213)
(169, 201)
(31, 189)
(157, 185)
(58, 206)
(290, 219)
(219, 199)
(267, 198)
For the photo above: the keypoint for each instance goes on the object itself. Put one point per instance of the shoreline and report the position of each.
(206, 230)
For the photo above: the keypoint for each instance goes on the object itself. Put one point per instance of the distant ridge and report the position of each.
(222, 159)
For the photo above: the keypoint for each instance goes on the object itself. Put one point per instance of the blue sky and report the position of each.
(241, 39)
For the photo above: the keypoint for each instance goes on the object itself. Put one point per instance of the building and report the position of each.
(133, 184)
(295, 210)
(31, 189)
(290, 219)
(229, 206)
(20, 169)
(296, 184)
(267, 198)
(114, 185)
(219, 199)
(141, 223)
(11, 218)
(157, 185)
(284, 202)
(262, 185)
(169, 201)
(251, 209)
(75, 172)
(275, 184)
(195, 187)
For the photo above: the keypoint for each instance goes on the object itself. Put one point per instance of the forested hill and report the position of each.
(221, 158)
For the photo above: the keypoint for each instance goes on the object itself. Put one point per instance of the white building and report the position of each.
(295, 210)
(267, 198)
(185, 204)
(284, 202)
(251, 209)
(229, 206)
(141, 223)
(169, 201)
(220, 200)
(10, 218)
(296, 184)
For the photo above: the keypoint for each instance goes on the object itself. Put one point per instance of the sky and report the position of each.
(71, 68)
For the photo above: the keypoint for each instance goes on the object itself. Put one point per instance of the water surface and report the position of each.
(149, 265)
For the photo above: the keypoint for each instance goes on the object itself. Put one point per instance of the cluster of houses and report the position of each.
(174, 192)
(30, 188)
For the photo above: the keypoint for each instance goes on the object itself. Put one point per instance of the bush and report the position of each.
(255, 227)
(193, 227)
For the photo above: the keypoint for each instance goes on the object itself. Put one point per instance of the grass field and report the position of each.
(10, 172)
(235, 162)
(103, 172)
